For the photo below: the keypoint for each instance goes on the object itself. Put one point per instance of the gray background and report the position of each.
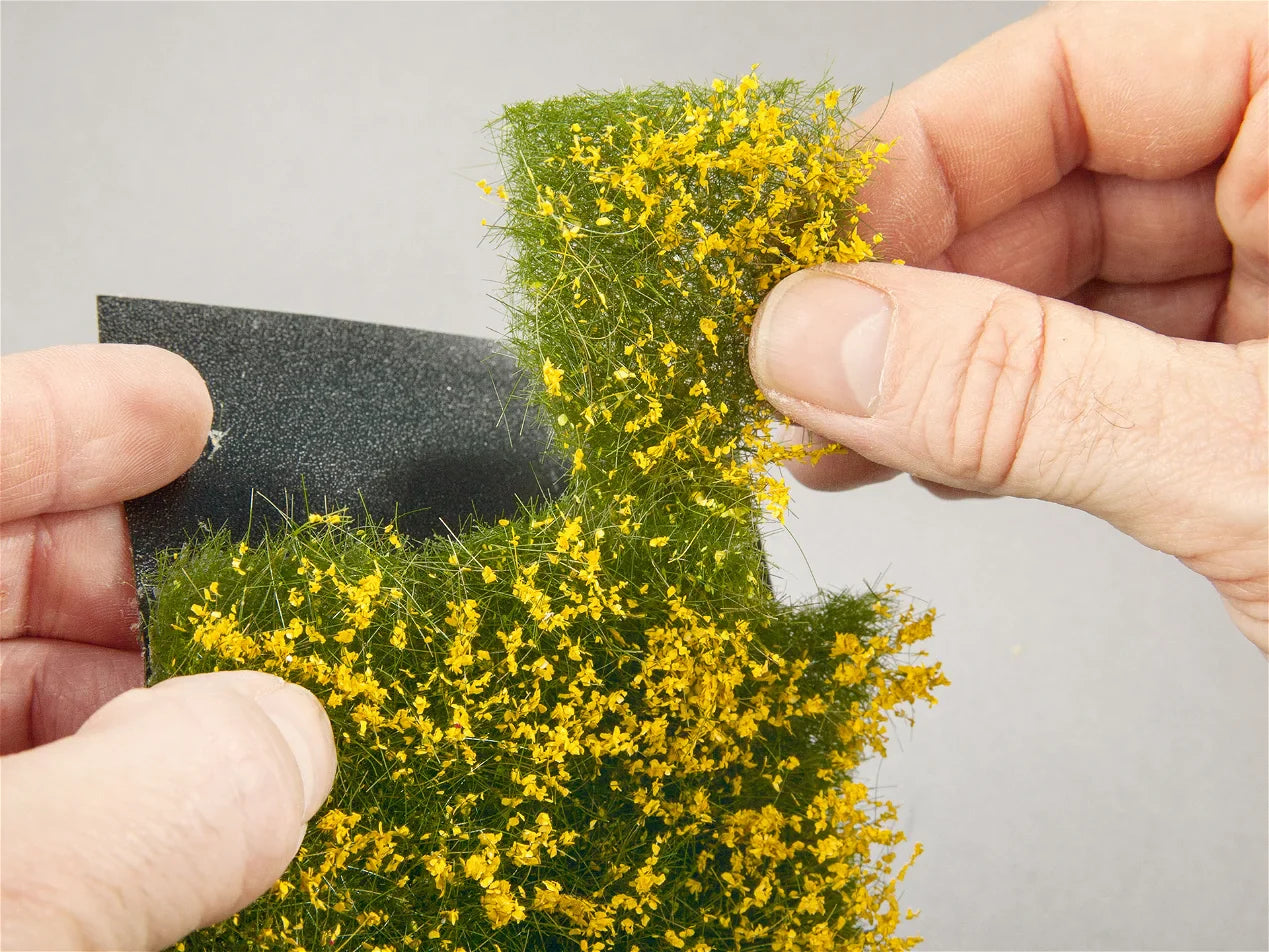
(1094, 778)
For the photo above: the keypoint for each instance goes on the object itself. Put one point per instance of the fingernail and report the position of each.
(304, 725)
(820, 337)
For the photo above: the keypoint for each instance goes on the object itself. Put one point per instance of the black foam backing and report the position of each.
(315, 413)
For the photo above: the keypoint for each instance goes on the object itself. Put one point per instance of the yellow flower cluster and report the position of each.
(661, 224)
(594, 727)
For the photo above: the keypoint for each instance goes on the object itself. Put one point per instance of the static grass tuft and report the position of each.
(594, 726)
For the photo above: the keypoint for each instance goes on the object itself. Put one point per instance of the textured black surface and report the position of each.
(423, 428)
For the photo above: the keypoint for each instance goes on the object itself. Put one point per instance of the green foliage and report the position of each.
(593, 726)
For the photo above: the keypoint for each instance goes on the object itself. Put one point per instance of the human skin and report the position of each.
(131, 816)
(1081, 203)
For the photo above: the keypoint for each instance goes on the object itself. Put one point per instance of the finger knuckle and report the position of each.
(993, 387)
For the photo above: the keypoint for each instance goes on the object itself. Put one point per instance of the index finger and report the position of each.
(1151, 91)
(89, 425)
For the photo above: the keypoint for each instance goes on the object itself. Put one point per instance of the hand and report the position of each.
(1083, 196)
(131, 824)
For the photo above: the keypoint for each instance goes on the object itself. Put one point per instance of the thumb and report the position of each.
(978, 386)
(172, 808)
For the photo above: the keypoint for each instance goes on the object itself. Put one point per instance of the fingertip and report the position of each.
(89, 425)
(201, 789)
(184, 411)
(195, 397)
(297, 715)
(839, 471)
(302, 720)
(947, 493)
